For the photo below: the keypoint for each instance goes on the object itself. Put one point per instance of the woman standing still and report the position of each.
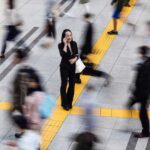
(69, 52)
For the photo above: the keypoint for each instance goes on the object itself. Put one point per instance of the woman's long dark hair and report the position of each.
(64, 33)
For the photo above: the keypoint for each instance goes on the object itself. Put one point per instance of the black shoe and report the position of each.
(141, 135)
(2, 56)
(128, 5)
(108, 81)
(113, 32)
(70, 107)
(78, 81)
(66, 108)
(18, 135)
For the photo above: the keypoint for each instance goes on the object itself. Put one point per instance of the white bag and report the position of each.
(79, 66)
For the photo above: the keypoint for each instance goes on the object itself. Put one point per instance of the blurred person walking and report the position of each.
(86, 139)
(29, 140)
(14, 21)
(119, 4)
(86, 47)
(69, 53)
(21, 89)
(141, 90)
(52, 11)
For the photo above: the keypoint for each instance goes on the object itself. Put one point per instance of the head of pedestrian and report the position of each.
(20, 55)
(66, 36)
(88, 16)
(34, 83)
(144, 52)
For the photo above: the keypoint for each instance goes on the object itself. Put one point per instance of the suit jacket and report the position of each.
(71, 53)
(142, 80)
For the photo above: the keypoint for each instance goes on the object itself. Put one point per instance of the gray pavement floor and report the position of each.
(119, 62)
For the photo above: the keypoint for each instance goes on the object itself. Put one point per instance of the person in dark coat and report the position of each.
(69, 53)
(141, 90)
(86, 47)
(86, 139)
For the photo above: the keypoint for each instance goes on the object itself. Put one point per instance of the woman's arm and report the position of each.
(63, 51)
(75, 53)
(74, 48)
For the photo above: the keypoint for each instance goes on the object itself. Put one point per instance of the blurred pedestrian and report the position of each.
(141, 90)
(69, 52)
(119, 4)
(29, 140)
(22, 89)
(86, 139)
(89, 70)
(86, 47)
(14, 21)
(52, 11)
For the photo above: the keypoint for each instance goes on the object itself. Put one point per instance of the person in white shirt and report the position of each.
(29, 140)
(13, 24)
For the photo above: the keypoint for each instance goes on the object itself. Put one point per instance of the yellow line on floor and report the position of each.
(59, 115)
(100, 48)
(109, 112)
(5, 105)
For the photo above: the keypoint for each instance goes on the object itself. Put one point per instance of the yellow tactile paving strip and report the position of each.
(109, 112)
(100, 48)
(5, 105)
(54, 123)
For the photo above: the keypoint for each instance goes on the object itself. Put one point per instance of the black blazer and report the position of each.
(142, 80)
(68, 55)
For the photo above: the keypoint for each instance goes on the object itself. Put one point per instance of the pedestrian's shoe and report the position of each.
(127, 5)
(113, 32)
(66, 108)
(108, 81)
(2, 56)
(141, 135)
(78, 81)
(70, 106)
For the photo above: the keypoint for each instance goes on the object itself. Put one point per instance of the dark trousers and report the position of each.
(143, 113)
(67, 76)
(92, 72)
(11, 34)
(51, 28)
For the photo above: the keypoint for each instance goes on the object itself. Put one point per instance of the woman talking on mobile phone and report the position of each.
(69, 52)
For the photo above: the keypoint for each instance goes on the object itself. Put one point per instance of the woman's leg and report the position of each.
(70, 92)
(64, 77)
